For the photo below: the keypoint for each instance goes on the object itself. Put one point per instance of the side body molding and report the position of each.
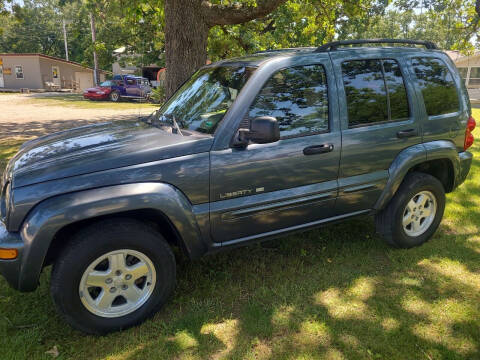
(51, 215)
(414, 155)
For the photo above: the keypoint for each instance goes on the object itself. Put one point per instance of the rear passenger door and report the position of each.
(378, 121)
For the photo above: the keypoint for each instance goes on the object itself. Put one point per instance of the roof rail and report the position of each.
(335, 44)
(297, 49)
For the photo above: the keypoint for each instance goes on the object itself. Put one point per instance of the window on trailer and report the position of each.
(19, 71)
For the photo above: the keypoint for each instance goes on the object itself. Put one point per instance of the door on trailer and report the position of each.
(56, 75)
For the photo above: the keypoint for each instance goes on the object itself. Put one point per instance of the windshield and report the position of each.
(201, 102)
(107, 83)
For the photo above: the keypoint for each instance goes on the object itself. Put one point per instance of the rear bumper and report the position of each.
(10, 269)
(464, 168)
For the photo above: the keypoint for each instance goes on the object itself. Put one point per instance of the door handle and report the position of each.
(407, 133)
(318, 149)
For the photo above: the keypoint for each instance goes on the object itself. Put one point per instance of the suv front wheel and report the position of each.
(414, 213)
(112, 275)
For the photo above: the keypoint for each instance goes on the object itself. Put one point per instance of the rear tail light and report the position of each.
(468, 133)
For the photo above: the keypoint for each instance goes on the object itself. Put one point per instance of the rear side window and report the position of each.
(375, 91)
(297, 97)
(437, 85)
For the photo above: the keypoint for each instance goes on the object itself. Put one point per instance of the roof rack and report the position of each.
(297, 49)
(335, 44)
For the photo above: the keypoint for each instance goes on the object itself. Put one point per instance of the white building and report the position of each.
(469, 67)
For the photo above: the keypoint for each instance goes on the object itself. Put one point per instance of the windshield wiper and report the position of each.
(151, 118)
(176, 125)
(156, 117)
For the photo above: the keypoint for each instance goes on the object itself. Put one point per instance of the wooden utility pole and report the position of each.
(65, 40)
(94, 39)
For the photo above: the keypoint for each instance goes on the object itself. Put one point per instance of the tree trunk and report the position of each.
(187, 23)
(186, 35)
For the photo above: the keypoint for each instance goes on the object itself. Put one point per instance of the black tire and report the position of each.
(115, 96)
(389, 220)
(91, 243)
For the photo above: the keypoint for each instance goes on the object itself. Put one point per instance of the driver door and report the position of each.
(264, 189)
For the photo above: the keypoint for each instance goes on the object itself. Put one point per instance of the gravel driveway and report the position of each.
(21, 116)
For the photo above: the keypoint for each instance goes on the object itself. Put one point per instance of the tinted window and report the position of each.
(474, 76)
(130, 81)
(365, 91)
(375, 91)
(297, 97)
(437, 85)
(397, 94)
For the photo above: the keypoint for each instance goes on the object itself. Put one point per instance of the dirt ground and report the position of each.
(26, 116)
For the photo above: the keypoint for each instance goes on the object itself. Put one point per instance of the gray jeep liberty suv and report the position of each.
(248, 149)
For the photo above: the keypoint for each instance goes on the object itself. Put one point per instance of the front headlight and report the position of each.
(5, 202)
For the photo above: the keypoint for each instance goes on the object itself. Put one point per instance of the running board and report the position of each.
(280, 232)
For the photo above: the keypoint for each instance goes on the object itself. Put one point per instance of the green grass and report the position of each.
(335, 293)
(77, 101)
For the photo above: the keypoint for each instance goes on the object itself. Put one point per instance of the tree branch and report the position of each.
(215, 14)
(477, 7)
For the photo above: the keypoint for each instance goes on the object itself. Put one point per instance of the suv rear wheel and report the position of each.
(414, 213)
(112, 275)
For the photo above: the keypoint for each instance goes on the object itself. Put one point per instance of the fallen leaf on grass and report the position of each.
(53, 352)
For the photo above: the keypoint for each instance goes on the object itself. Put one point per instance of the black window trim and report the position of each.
(438, 116)
(329, 127)
(402, 71)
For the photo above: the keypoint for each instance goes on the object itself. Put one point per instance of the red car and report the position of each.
(101, 92)
(121, 87)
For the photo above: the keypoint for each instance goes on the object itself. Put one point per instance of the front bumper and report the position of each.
(92, 96)
(10, 269)
(464, 168)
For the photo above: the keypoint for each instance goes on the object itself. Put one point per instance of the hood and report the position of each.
(97, 88)
(98, 147)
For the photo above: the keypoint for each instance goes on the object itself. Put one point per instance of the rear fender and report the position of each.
(415, 155)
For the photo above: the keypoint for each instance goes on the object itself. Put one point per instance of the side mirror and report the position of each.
(263, 130)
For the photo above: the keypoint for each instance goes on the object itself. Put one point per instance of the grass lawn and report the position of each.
(77, 101)
(335, 293)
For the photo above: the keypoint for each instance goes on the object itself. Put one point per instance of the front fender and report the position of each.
(415, 155)
(48, 217)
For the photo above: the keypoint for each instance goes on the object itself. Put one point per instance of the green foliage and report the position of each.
(295, 23)
(36, 26)
(158, 95)
(447, 23)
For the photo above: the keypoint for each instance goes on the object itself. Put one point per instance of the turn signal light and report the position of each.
(8, 254)
(468, 133)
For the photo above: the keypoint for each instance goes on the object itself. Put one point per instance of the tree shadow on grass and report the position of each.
(313, 297)
(334, 292)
